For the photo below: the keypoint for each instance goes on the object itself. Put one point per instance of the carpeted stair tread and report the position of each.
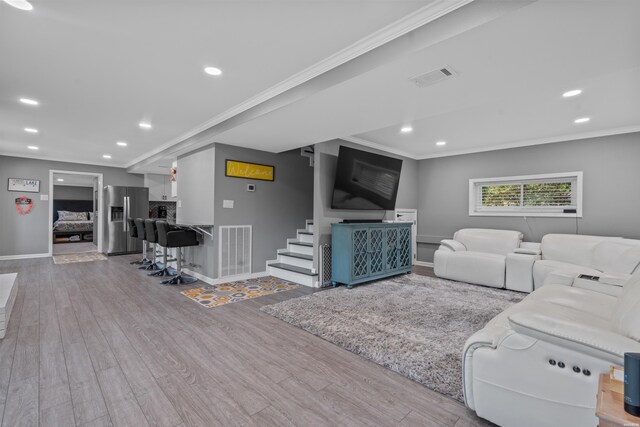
(297, 255)
(293, 268)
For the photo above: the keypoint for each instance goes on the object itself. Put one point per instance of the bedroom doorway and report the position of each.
(75, 201)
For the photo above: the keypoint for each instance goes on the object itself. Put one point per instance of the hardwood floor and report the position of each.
(100, 343)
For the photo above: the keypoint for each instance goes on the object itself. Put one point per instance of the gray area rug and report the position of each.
(414, 325)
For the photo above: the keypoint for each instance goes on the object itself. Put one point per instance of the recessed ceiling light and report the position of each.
(121, 143)
(574, 92)
(406, 129)
(213, 71)
(20, 4)
(33, 147)
(106, 156)
(29, 101)
(582, 120)
(60, 180)
(441, 143)
(145, 125)
(31, 130)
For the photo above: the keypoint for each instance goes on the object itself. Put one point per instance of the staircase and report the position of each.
(295, 263)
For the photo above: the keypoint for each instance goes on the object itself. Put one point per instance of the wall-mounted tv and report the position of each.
(365, 181)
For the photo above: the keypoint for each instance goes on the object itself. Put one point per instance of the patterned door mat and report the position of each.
(226, 293)
(80, 257)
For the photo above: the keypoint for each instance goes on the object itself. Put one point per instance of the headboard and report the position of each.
(72, 206)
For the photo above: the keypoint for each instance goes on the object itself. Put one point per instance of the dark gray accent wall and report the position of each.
(326, 160)
(29, 234)
(611, 196)
(275, 209)
(72, 192)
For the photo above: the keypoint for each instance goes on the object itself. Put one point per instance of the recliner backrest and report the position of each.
(571, 248)
(626, 314)
(488, 240)
(617, 256)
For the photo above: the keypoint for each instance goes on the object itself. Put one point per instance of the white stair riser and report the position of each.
(310, 228)
(307, 238)
(307, 250)
(298, 262)
(292, 276)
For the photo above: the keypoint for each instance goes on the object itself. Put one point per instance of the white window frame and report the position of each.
(476, 184)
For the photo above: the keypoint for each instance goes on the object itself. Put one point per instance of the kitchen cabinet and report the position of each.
(159, 187)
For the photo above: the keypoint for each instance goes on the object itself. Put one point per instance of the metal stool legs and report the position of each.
(153, 265)
(180, 279)
(144, 260)
(166, 271)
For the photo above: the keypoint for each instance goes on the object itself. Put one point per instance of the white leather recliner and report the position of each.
(537, 363)
(476, 255)
(572, 255)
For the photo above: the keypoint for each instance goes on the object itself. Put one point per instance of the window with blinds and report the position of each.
(532, 195)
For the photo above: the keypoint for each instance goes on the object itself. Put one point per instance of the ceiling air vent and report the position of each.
(433, 77)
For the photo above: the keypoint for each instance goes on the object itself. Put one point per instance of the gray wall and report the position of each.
(275, 210)
(326, 159)
(195, 180)
(29, 234)
(611, 197)
(72, 192)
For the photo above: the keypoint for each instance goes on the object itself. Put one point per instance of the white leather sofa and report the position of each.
(476, 255)
(537, 363)
(613, 259)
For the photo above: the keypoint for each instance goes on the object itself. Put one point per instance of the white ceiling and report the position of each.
(99, 68)
(512, 73)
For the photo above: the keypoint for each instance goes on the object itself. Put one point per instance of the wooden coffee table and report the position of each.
(610, 407)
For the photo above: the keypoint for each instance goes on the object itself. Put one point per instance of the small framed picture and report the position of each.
(24, 185)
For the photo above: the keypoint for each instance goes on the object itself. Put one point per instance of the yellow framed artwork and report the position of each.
(237, 169)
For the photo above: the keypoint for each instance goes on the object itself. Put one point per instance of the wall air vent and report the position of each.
(433, 77)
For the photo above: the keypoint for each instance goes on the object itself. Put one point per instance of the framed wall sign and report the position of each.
(24, 185)
(246, 170)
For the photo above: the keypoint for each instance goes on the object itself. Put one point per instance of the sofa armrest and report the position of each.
(527, 251)
(560, 277)
(528, 248)
(609, 284)
(452, 245)
(595, 342)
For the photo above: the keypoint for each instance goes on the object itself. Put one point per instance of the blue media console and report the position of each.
(361, 252)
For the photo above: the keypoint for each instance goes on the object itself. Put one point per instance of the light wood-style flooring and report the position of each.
(100, 343)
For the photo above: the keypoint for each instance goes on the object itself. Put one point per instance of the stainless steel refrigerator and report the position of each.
(122, 203)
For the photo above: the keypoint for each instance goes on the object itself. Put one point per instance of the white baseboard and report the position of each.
(212, 281)
(423, 263)
(25, 256)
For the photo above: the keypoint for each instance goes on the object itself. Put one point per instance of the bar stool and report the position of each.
(151, 233)
(136, 229)
(163, 228)
(178, 238)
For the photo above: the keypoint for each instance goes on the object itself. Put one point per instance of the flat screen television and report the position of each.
(365, 181)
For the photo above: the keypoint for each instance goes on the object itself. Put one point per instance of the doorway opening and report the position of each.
(75, 212)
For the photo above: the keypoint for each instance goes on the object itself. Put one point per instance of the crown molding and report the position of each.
(540, 141)
(384, 148)
(408, 23)
(60, 160)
